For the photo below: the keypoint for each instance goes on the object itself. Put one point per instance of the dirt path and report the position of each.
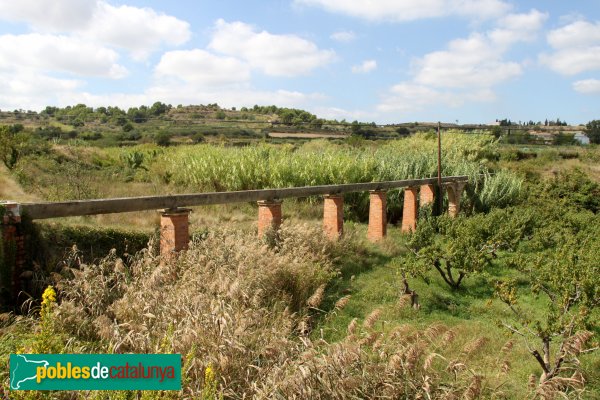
(10, 189)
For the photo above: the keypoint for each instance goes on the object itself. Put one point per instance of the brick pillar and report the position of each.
(333, 215)
(269, 215)
(377, 215)
(454, 190)
(174, 230)
(13, 246)
(409, 212)
(426, 194)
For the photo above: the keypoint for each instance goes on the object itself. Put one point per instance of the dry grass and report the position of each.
(230, 301)
(371, 364)
(247, 308)
(10, 189)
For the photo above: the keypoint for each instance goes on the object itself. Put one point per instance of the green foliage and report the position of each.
(128, 127)
(162, 138)
(518, 137)
(198, 138)
(592, 130)
(403, 131)
(498, 190)
(566, 274)
(572, 189)
(10, 147)
(15, 144)
(58, 177)
(91, 242)
(564, 139)
(557, 263)
(458, 248)
(496, 132)
(214, 168)
(134, 160)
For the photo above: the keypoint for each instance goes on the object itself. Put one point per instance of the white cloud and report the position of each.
(573, 61)
(587, 86)
(201, 67)
(410, 97)
(340, 114)
(479, 59)
(139, 30)
(577, 48)
(276, 55)
(60, 54)
(186, 94)
(29, 90)
(238, 97)
(53, 15)
(467, 70)
(343, 36)
(576, 34)
(365, 67)
(410, 10)
(515, 28)
(467, 62)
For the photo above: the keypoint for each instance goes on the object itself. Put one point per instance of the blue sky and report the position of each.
(385, 61)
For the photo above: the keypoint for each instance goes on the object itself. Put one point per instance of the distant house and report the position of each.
(581, 138)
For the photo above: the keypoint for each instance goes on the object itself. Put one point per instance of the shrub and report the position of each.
(162, 138)
(227, 288)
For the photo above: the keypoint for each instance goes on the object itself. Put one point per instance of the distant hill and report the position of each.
(107, 126)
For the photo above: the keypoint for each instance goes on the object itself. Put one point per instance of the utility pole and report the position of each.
(439, 190)
(439, 138)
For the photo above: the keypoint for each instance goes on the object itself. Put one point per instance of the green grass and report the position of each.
(373, 281)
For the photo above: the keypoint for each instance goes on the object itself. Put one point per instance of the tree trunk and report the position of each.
(414, 297)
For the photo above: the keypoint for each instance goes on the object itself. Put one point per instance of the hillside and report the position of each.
(162, 123)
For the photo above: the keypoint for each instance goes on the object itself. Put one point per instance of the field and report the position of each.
(457, 309)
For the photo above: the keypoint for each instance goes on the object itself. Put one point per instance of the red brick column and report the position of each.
(426, 194)
(174, 230)
(454, 190)
(13, 242)
(409, 212)
(269, 215)
(377, 215)
(333, 215)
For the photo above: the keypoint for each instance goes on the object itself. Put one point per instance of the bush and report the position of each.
(592, 130)
(227, 288)
(198, 138)
(128, 127)
(162, 138)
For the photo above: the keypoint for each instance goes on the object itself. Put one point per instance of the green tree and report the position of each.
(403, 131)
(12, 146)
(198, 138)
(496, 131)
(128, 127)
(452, 248)
(568, 278)
(592, 130)
(564, 139)
(162, 138)
(158, 108)
(457, 248)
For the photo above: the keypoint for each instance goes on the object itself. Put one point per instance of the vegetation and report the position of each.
(500, 302)
(592, 130)
(75, 172)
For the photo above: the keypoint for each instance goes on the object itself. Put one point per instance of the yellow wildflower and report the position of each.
(48, 301)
